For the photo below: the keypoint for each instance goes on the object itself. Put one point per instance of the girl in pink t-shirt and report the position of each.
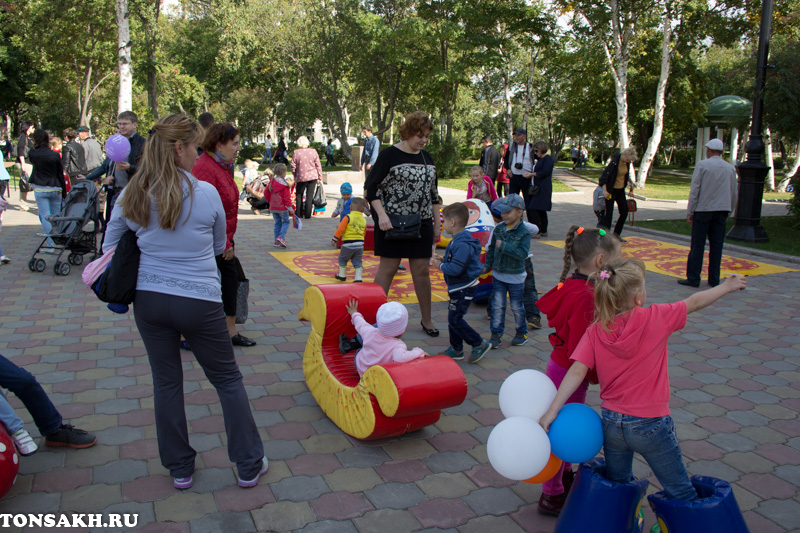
(570, 310)
(627, 345)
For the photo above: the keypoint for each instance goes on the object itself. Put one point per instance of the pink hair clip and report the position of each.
(605, 274)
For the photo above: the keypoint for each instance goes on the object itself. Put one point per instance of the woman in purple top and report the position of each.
(180, 226)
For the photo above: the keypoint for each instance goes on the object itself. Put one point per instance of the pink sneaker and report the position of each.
(276, 244)
(282, 242)
(182, 483)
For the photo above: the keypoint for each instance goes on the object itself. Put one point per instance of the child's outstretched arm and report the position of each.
(703, 299)
(575, 376)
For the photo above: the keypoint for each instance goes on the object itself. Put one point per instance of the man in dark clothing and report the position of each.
(490, 159)
(115, 176)
(73, 158)
(24, 145)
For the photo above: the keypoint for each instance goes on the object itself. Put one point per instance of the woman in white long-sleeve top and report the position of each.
(180, 226)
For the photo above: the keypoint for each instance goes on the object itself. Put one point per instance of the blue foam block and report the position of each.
(597, 505)
(715, 512)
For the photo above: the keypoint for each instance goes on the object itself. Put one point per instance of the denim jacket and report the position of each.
(508, 248)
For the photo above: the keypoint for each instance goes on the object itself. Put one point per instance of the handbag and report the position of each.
(242, 293)
(533, 190)
(632, 207)
(319, 197)
(24, 185)
(404, 227)
(117, 285)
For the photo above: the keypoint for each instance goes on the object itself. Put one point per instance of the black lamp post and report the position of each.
(747, 226)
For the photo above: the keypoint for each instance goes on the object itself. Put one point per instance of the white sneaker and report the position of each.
(24, 206)
(24, 442)
(246, 484)
(4, 259)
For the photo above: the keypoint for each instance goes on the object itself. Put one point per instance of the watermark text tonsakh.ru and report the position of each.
(68, 520)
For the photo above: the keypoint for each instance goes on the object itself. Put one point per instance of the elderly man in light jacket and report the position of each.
(711, 199)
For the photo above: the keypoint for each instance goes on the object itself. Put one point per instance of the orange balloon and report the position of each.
(548, 472)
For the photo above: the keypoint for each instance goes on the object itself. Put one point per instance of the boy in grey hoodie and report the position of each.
(461, 266)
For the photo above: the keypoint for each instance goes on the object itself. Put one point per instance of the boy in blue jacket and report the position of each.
(505, 257)
(461, 266)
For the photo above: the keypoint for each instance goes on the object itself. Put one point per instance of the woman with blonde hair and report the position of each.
(402, 183)
(180, 226)
(614, 179)
(307, 171)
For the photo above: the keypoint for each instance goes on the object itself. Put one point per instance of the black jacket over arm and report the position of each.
(490, 161)
(73, 159)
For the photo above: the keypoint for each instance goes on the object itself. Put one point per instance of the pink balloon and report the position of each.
(118, 148)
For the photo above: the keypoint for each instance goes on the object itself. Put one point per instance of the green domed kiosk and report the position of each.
(723, 111)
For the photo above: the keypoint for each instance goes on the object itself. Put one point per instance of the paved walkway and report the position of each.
(733, 368)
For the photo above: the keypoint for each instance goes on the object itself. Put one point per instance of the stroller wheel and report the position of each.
(61, 269)
(75, 259)
(39, 265)
(32, 265)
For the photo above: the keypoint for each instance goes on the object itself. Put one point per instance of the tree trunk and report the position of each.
(661, 90)
(769, 161)
(617, 59)
(790, 171)
(150, 27)
(505, 74)
(528, 99)
(125, 100)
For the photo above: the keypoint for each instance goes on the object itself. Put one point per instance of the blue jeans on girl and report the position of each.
(48, 203)
(655, 440)
(516, 295)
(281, 223)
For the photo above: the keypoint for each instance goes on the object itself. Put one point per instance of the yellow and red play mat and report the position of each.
(319, 267)
(670, 259)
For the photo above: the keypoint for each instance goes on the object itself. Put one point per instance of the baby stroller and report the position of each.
(70, 230)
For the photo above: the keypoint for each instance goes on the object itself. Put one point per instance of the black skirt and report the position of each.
(416, 248)
(229, 280)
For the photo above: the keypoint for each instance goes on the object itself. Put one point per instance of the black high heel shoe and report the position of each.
(433, 332)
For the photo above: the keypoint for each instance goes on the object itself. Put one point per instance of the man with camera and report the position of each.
(519, 162)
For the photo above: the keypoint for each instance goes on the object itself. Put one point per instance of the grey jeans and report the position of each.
(161, 319)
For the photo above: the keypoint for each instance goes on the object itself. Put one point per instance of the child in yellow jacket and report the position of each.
(351, 229)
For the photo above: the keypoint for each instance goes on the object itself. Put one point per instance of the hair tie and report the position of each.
(602, 232)
(580, 230)
(605, 274)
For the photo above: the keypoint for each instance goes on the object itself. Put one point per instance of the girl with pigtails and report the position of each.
(570, 310)
(627, 347)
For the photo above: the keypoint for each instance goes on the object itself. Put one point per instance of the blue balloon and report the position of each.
(576, 435)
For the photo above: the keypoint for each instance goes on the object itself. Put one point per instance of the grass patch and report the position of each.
(673, 185)
(784, 237)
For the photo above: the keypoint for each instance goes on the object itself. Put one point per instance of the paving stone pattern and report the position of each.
(734, 371)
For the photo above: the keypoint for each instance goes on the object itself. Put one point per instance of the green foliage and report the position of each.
(783, 86)
(254, 151)
(447, 158)
(794, 202)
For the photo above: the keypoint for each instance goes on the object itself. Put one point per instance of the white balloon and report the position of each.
(518, 448)
(527, 393)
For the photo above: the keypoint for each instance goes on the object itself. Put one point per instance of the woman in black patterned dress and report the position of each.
(403, 182)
